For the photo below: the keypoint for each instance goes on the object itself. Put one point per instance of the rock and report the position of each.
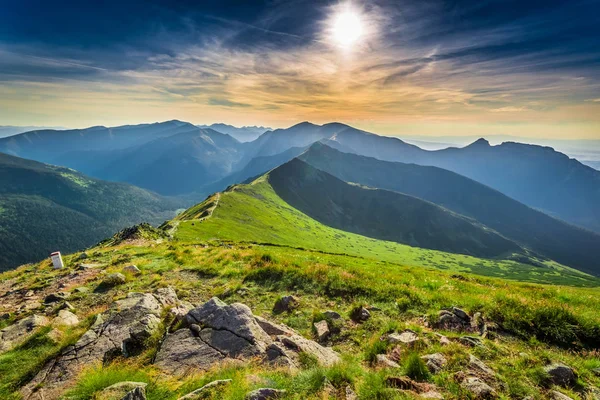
(19, 332)
(82, 256)
(55, 335)
(479, 367)
(285, 303)
(265, 394)
(360, 314)
(561, 374)
(449, 321)
(470, 341)
(332, 315)
(122, 330)
(179, 312)
(444, 341)
(221, 333)
(405, 383)
(4, 316)
(67, 306)
(479, 389)
(120, 391)
(349, 394)
(435, 362)
(56, 297)
(556, 395)
(115, 279)
(478, 324)
(131, 269)
(167, 297)
(65, 318)
(322, 330)
(407, 337)
(432, 394)
(82, 289)
(461, 314)
(205, 390)
(384, 362)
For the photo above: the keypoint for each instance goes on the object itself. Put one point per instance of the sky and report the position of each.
(426, 67)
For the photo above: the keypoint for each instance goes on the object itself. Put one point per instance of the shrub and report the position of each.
(415, 368)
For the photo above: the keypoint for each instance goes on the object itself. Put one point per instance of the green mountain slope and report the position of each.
(383, 214)
(44, 208)
(255, 213)
(545, 235)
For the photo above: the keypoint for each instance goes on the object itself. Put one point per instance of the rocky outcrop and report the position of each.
(121, 331)
(18, 333)
(65, 318)
(479, 389)
(407, 337)
(322, 330)
(435, 362)
(220, 333)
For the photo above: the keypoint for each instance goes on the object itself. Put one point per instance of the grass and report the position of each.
(254, 213)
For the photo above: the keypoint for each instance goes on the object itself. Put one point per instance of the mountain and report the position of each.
(243, 134)
(383, 214)
(44, 208)
(560, 241)
(6, 131)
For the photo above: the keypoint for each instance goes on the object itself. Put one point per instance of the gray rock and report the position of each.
(479, 389)
(82, 289)
(286, 303)
(561, 374)
(206, 390)
(273, 329)
(56, 297)
(432, 394)
(121, 331)
(67, 306)
(479, 367)
(435, 362)
(19, 332)
(296, 344)
(556, 395)
(125, 391)
(349, 394)
(65, 318)
(167, 297)
(322, 330)
(332, 315)
(450, 321)
(383, 361)
(132, 269)
(115, 279)
(82, 256)
(265, 394)
(407, 337)
(470, 341)
(361, 314)
(461, 314)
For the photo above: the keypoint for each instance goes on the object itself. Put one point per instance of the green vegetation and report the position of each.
(255, 213)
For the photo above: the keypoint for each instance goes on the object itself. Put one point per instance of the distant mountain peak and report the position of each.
(481, 142)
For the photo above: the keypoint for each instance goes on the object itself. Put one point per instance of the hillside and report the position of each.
(545, 235)
(44, 208)
(243, 134)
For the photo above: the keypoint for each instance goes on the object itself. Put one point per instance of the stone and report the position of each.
(479, 389)
(384, 362)
(122, 331)
(179, 312)
(361, 314)
(205, 390)
(81, 289)
(55, 335)
(407, 337)
(65, 318)
(4, 316)
(479, 367)
(556, 395)
(115, 279)
(273, 329)
(470, 341)
(322, 330)
(120, 391)
(561, 375)
(56, 297)
(285, 303)
(67, 306)
(444, 341)
(435, 362)
(432, 394)
(450, 321)
(350, 394)
(132, 269)
(19, 332)
(461, 314)
(332, 315)
(296, 344)
(167, 297)
(265, 394)
(82, 256)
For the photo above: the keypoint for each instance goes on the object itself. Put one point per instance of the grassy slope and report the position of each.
(254, 213)
(257, 275)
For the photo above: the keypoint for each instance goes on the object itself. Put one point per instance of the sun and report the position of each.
(347, 28)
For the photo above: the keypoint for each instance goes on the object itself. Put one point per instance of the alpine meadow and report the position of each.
(299, 200)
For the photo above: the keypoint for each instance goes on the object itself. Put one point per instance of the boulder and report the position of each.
(265, 394)
(479, 389)
(561, 375)
(556, 395)
(206, 390)
(478, 367)
(125, 390)
(360, 314)
(82, 256)
(435, 362)
(132, 269)
(56, 297)
(115, 279)
(65, 318)
(384, 362)
(19, 332)
(120, 331)
(321, 330)
(432, 394)
(470, 341)
(219, 333)
(407, 337)
(332, 315)
(461, 314)
(285, 303)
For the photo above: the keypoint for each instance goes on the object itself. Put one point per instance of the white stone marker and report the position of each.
(57, 260)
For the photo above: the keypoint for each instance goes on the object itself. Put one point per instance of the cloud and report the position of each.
(226, 103)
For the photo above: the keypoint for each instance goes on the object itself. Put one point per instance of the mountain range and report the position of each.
(243, 134)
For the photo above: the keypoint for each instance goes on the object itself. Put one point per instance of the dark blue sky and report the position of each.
(465, 55)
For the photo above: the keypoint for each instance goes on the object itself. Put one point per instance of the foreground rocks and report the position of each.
(561, 375)
(123, 330)
(220, 333)
(18, 333)
(125, 391)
